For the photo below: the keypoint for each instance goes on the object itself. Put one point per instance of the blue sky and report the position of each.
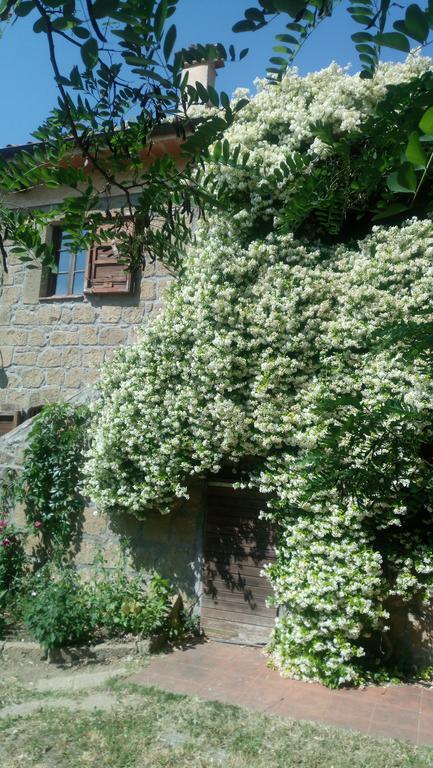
(27, 91)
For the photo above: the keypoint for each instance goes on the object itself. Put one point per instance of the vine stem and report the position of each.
(426, 169)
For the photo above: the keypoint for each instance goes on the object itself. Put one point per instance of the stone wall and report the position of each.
(50, 348)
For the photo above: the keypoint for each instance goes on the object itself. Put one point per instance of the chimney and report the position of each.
(201, 63)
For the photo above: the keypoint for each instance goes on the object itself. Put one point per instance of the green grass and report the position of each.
(152, 729)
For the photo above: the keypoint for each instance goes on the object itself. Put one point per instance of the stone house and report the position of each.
(56, 331)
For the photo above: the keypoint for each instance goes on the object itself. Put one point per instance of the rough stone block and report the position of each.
(50, 358)
(25, 317)
(32, 378)
(64, 338)
(133, 315)
(93, 358)
(25, 356)
(74, 378)
(12, 337)
(5, 315)
(55, 376)
(95, 524)
(88, 336)
(83, 313)
(49, 313)
(112, 336)
(36, 338)
(11, 294)
(72, 357)
(110, 314)
(6, 355)
(31, 286)
(66, 315)
(148, 289)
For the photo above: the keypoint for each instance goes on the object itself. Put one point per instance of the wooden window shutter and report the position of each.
(8, 422)
(104, 273)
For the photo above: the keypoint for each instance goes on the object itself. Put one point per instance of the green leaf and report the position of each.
(362, 37)
(169, 41)
(426, 122)
(89, 53)
(102, 8)
(81, 32)
(287, 39)
(225, 101)
(393, 40)
(39, 25)
(244, 26)
(253, 14)
(392, 210)
(160, 18)
(414, 150)
(292, 7)
(213, 96)
(23, 9)
(416, 23)
(243, 53)
(403, 180)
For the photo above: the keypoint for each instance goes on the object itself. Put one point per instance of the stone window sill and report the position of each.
(66, 297)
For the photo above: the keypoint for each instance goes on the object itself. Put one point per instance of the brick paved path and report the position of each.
(239, 675)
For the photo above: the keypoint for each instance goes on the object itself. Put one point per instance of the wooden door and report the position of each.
(237, 545)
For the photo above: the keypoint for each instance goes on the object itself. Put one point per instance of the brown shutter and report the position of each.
(8, 422)
(104, 273)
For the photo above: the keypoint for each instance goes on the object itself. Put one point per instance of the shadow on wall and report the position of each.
(171, 544)
(410, 639)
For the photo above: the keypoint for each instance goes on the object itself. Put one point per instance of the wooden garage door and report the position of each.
(237, 545)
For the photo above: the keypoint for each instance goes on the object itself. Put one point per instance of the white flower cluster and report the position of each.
(310, 359)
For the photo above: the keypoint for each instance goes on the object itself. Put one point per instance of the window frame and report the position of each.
(56, 234)
(49, 279)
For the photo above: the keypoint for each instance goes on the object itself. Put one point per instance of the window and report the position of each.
(8, 421)
(71, 268)
(96, 271)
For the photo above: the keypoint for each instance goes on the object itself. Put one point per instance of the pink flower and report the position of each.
(6, 543)
(3, 524)
(38, 524)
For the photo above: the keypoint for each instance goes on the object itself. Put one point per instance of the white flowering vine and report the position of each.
(313, 360)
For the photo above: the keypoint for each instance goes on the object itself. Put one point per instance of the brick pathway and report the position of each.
(239, 675)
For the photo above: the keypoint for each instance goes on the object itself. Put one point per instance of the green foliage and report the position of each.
(60, 609)
(12, 557)
(125, 83)
(54, 609)
(51, 477)
(121, 602)
(306, 15)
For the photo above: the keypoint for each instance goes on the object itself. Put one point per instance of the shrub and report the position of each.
(55, 610)
(60, 609)
(122, 603)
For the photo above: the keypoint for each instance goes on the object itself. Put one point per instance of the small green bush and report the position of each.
(59, 609)
(122, 603)
(55, 610)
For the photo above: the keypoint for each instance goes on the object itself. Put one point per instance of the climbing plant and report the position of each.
(308, 350)
(50, 481)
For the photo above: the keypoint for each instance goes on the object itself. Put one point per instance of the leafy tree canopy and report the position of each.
(128, 82)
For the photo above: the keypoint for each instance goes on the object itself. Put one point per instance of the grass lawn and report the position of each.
(147, 728)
